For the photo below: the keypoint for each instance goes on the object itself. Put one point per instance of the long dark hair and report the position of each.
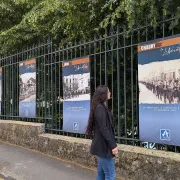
(99, 97)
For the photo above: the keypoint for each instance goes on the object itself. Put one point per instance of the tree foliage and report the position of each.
(25, 21)
(135, 11)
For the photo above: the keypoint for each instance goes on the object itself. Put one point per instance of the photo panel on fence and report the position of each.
(159, 90)
(27, 89)
(76, 95)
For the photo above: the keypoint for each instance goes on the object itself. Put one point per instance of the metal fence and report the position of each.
(10, 81)
(114, 62)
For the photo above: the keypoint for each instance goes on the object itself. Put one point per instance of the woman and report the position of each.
(101, 129)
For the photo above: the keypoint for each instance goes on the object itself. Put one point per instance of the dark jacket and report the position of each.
(104, 135)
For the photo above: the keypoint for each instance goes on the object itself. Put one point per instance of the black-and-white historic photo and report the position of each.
(27, 82)
(159, 82)
(76, 87)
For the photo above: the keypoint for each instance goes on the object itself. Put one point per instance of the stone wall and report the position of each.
(133, 163)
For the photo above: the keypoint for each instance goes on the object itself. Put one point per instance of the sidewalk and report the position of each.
(19, 164)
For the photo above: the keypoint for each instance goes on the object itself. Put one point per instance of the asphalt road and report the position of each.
(19, 164)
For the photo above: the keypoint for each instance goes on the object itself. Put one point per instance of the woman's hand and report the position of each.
(115, 151)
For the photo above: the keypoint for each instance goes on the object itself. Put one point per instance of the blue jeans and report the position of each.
(106, 169)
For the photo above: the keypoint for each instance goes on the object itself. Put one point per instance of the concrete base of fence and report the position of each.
(133, 163)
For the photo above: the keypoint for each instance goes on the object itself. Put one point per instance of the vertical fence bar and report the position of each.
(3, 87)
(84, 48)
(118, 85)
(132, 86)
(173, 34)
(38, 86)
(100, 50)
(154, 32)
(163, 26)
(55, 89)
(4, 79)
(125, 110)
(75, 54)
(95, 80)
(80, 48)
(112, 71)
(137, 104)
(45, 91)
(48, 88)
(63, 59)
(8, 90)
(19, 58)
(106, 78)
(52, 86)
(137, 101)
(146, 29)
(71, 51)
(59, 65)
(12, 85)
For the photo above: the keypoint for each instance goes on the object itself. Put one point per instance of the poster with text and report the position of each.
(27, 90)
(76, 95)
(159, 90)
(0, 89)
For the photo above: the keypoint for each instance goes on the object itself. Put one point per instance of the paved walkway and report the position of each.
(20, 164)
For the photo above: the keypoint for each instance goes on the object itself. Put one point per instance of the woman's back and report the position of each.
(104, 138)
